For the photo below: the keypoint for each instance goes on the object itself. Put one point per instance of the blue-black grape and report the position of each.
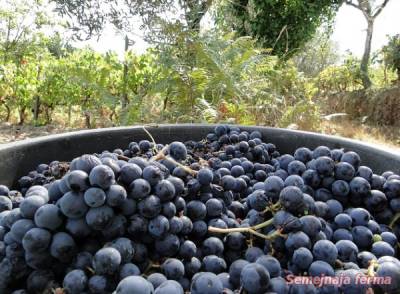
(134, 284)
(206, 283)
(75, 281)
(48, 216)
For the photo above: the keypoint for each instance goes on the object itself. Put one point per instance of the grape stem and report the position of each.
(394, 220)
(371, 268)
(252, 230)
(161, 155)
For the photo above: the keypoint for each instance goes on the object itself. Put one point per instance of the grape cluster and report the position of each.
(227, 214)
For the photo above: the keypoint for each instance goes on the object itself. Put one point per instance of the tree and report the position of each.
(284, 26)
(391, 55)
(370, 12)
(317, 54)
(90, 17)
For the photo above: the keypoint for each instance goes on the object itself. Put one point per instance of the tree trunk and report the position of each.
(69, 114)
(125, 77)
(21, 116)
(36, 109)
(87, 120)
(367, 52)
(8, 112)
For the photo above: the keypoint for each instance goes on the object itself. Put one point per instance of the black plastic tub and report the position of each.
(17, 159)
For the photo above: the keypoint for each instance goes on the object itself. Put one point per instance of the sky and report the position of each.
(349, 32)
(350, 26)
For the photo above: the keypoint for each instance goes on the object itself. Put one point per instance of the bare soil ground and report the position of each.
(12, 133)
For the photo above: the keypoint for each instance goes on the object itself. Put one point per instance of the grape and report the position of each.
(235, 270)
(173, 269)
(128, 207)
(30, 205)
(150, 207)
(360, 216)
(72, 205)
(187, 250)
(302, 258)
(296, 168)
(362, 237)
(139, 189)
(125, 248)
(391, 270)
(165, 190)
(168, 209)
(212, 246)
(326, 251)
(291, 198)
(39, 280)
(235, 241)
(389, 238)
(152, 174)
(48, 217)
(297, 240)
(352, 158)
(99, 217)
(310, 225)
(4, 190)
(36, 240)
(75, 281)
(196, 210)
(129, 172)
(340, 189)
(391, 188)
(102, 176)
(63, 247)
(169, 287)
(359, 186)
(85, 163)
(206, 283)
(95, 197)
(381, 248)
(168, 246)
(20, 228)
(258, 200)
(134, 284)
(83, 261)
(5, 203)
(271, 264)
(129, 269)
(77, 180)
(115, 195)
(106, 261)
(98, 284)
(278, 285)
(158, 226)
(214, 264)
(347, 250)
(156, 279)
(38, 191)
(252, 253)
(205, 176)
(55, 192)
(254, 278)
(343, 220)
(38, 260)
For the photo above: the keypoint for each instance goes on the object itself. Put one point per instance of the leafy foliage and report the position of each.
(284, 26)
(391, 54)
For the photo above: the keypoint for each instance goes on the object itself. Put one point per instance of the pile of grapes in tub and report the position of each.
(227, 214)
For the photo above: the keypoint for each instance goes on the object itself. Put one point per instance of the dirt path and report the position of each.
(12, 133)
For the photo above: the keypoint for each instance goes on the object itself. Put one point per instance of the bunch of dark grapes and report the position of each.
(228, 214)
